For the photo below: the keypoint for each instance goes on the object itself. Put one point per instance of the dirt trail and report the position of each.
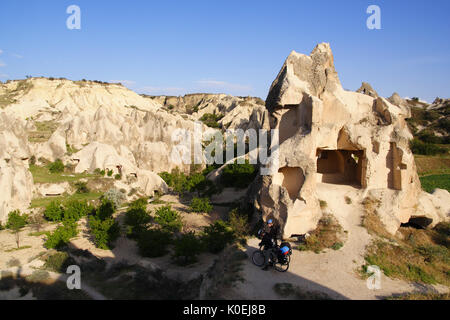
(332, 272)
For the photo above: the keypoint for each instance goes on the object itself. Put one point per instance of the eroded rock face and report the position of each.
(16, 185)
(16, 182)
(330, 135)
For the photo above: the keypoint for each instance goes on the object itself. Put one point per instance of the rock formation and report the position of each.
(328, 135)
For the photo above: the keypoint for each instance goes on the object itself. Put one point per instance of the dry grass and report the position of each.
(328, 234)
(421, 296)
(43, 132)
(10, 96)
(413, 255)
(371, 220)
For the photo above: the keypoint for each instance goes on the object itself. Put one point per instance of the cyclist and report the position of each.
(269, 241)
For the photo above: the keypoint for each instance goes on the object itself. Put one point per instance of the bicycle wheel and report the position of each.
(282, 267)
(258, 258)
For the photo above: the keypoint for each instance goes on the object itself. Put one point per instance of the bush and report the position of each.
(59, 262)
(109, 172)
(238, 175)
(239, 223)
(118, 176)
(201, 205)
(56, 167)
(54, 211)
(105, 210)
(62, 235)
(168, 219)
(81, 187)
(211, 120)
(216, 236)
(186, 248)
(137, 218)
(153, 243)
(139, 203)
(105, 231)
(75, 210)
(115, 196)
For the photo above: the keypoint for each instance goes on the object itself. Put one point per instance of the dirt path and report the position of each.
(332, 272)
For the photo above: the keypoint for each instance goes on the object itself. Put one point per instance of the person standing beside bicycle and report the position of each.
(269, 236)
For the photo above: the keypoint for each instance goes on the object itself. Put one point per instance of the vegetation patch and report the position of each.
(43, 132)
(431, 182)
(44, 175)
(328, 234)
(211, 120)
(238, 175)
(201, 205)
(414, 255)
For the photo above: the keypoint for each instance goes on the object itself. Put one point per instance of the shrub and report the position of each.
(201, 205)
(105, 210)
(115, 196)
(216, 236)
(168, 219)
(75, 210)
(153, 243)
(58, 262)
(239, 223)
(56, 167)
(105, 231)
(62, 235)
(109, 172)
(81, 187)
(137, 218)
(118, 176)
(54, 211)
(186, 248)
(211, 120)
(238, 175)
(139, 203)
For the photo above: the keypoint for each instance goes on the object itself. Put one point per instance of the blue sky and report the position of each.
(234, 47)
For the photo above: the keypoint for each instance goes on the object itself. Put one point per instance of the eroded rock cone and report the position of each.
(328, 135)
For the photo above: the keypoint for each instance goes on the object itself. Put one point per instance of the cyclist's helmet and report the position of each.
(269, 221)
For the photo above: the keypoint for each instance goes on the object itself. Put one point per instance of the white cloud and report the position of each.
(18, 56)
(170, 91)
(3, 75)
(222, 85)
(127, 83)
(2, 64)
(1, 51)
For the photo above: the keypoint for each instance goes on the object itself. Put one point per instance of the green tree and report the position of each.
(16, 221)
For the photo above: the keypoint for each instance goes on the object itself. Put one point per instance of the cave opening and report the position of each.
(341, 167)
(417, 223)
